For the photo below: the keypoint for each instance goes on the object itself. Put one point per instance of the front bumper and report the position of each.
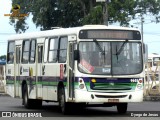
(96, 97)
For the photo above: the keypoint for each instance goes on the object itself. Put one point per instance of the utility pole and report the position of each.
(105, 10)
(142, 20)
(105, 14)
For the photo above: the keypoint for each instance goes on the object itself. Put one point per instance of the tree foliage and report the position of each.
(20, 25)
(70, 13)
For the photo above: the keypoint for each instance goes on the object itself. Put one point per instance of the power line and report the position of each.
(7, 33)
(152, 41)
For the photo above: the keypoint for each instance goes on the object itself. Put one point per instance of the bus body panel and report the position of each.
(90, 97)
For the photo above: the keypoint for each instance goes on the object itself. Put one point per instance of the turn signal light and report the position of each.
(93, 80)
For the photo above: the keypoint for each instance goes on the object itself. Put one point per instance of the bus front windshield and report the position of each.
(110, 58)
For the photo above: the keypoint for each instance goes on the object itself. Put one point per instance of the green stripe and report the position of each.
(34, 83)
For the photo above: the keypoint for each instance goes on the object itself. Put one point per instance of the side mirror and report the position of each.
(76, 54)
(145, 54)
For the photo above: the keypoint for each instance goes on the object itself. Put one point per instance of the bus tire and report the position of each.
(62, 101)
(38, 103)
(122, 108)
(26, 101)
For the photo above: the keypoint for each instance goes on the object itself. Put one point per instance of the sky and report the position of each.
(151, 31)
(6, 29)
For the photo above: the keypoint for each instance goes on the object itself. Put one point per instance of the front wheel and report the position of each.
(64, 106)
(122, 108)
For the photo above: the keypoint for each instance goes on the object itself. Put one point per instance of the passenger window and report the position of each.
(10, 53)
(18, 52)
(53, 50)
(63, 49)
(32, 51)
(40, 52)
(25, 54)
(46, 51)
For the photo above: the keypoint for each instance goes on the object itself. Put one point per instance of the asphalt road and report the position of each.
(51, 111)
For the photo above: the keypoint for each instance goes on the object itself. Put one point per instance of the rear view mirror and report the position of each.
(145, 54)
(76, 54)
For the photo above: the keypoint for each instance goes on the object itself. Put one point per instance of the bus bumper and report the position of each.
(86, 96)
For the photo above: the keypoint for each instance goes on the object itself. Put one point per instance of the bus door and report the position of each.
(10, 69)
(39, 71)
(70, 70)
(17, 71)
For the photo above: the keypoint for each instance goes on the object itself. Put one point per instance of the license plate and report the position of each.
(113, 100)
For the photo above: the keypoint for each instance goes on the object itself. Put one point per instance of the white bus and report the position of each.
(77, 66)
(152, 72)
(153, 60)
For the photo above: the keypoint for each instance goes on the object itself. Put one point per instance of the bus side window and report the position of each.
(53, 50)
(10, 52)
(40, 51)
(25, 52)
(18, 51)
(10, 58)
(32, 51)
(45, 58)
(63, 49)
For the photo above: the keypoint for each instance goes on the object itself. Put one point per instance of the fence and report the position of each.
(2, 79)
(152, 81)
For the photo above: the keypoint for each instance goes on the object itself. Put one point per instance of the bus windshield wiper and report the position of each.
(99, 46)
(121, 48)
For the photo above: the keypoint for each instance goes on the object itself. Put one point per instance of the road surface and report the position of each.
(50, 111)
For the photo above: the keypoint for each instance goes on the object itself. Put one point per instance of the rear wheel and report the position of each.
(26, 101)
(36, 103)
(122, 108)
(30, 103)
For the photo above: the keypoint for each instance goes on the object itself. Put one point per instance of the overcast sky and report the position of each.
(6, 29)
(151, 30)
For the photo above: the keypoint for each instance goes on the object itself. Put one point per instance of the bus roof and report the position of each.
(63, 31)
(153, 55)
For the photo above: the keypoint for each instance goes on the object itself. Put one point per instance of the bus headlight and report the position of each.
(81, 84)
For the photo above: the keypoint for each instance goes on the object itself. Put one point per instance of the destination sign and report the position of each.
(110, 34)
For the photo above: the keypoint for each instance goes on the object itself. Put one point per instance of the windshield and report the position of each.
(110, 58)
(155, 61)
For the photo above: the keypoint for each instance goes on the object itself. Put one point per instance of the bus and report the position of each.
(153, 60)
(79, 66)
(152, 74)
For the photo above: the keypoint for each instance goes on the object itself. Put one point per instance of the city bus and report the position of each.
(79, 66)
(152, 72)
(153, 60)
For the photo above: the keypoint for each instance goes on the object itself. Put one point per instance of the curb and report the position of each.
(151, 98)
(3, 94)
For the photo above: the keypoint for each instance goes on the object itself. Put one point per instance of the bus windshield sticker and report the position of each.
(106, 70)
(86, 66)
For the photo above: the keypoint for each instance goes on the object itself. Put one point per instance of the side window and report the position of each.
(46, 51)
(18, 52)
(53, 49)
(40, 53)
(63, 49)
(10, 52)
(25, 52)
(32, 51)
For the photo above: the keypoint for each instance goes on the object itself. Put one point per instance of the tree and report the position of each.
(70, 13)
(20, 25)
